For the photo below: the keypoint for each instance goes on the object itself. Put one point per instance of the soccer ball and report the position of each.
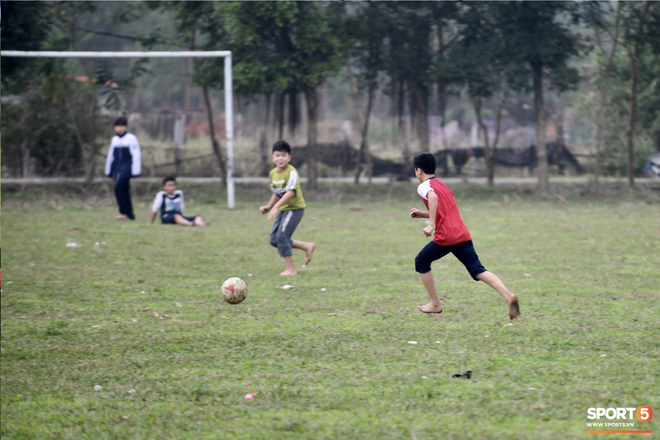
(234, 290)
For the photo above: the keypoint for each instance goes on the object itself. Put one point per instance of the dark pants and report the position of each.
(463, 251)
(123, 194)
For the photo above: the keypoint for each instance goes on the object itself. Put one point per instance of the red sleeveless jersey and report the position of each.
(449, 227)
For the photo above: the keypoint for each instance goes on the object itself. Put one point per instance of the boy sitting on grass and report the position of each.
(169, 202)
(449, 235)
(288, 205)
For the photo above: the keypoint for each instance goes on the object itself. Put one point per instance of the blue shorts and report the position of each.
(463, 251)
(168, 218)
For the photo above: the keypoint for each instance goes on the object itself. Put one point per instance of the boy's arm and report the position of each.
(264, 209)
(158, 201)
(416, 213)
(109, 160)
(429, 231)
(285, 198)
(136, 168)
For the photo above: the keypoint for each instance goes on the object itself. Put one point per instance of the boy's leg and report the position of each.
(276, 228)
(199, 221)
(493, 281)
(426, 256)
(468, 256)
(289, 221)
(180, 220)
(123, 195)
(307, 247)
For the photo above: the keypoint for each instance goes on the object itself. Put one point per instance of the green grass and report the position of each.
(329, 364)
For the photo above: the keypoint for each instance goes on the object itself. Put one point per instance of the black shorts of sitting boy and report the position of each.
(449, 235)
(169, 203)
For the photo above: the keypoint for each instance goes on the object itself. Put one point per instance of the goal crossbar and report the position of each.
(229, 102)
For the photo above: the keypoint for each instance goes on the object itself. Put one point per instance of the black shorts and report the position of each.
(463, 251)
(168, 219)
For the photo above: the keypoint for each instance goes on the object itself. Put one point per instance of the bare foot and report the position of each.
(514, 308)
(430, 308)
(287, 273)
(122, 217)
(309, 251)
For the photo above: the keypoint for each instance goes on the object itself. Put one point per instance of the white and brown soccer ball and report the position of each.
(234, 290)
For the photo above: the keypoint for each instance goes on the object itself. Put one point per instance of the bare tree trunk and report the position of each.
(490, 153)
(312, 134)
(421, 108)
(543, 189)
(630, 146)
(601, 112)
(442, 106)
(214, 142)
(559, 122)
(263, 154)
(280, 116)
(363, 152)
(476, 103)
(403, 138)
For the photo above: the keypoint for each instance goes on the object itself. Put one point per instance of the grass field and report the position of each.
(142, 317)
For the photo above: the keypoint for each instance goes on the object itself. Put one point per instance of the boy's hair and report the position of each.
(121, 121)
(425, 162)
(282, 146)
(169, 179)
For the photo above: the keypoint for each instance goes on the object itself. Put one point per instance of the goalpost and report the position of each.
(229, 106)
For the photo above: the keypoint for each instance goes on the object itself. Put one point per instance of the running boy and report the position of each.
(449, 235)
(288, 205)
(124, 161)
(169, 202)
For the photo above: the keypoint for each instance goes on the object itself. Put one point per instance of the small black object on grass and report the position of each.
(467, 375)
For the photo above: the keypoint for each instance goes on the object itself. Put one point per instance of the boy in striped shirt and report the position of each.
(449, 235)
(288, 205)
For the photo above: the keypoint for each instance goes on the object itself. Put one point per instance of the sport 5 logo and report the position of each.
(643, 413)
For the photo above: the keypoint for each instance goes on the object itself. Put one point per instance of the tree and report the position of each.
(25, 26)
(637, 25)
(367, 28)
(538, 35)
(606, 24)
(482, 63)
(286, 47)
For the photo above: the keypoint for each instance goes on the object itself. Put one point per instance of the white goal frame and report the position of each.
(229, 102)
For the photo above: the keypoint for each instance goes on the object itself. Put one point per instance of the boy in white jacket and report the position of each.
(124, 161)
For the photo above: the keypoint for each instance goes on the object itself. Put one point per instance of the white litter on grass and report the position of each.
(603, 355)
(94, 326)
(424, 377)
(323, 289)
(304, 265)
(648, 244)
(98, 387)
(437, 342)
(131, 391)
(143, 291)
(97, 243)
(103, 242)
(249, 274)
(73, 245)
(532, 388)
(9, 282)
(508, 324)
(412, 342)
(485, 336)
(287, 287)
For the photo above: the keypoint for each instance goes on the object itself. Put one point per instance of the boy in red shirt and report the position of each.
(449, 235)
